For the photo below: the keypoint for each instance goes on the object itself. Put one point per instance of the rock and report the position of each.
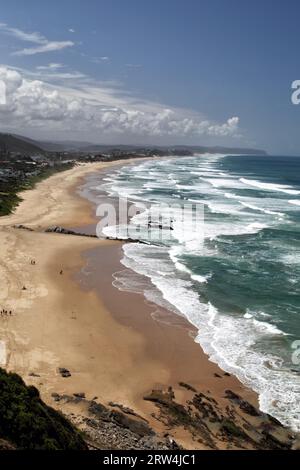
(55, 396)
(187, 386)
(201, 416)
(64, 372)
(248, 408)
(6, 445)
(275, 421)
(23, 227)
(98, 410)
(126, 410)
(140, 428)
(243, 404)
(273, 443)
(231, 395)
(230, 428)
(296, 445)
(64, 231)
(131, 240)
(79, 395)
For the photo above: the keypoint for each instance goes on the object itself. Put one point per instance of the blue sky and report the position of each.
(168, 71)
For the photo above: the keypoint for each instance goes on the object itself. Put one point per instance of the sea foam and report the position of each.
(233, 340)
(270, 186)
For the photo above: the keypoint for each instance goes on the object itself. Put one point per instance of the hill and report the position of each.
(26, 422)
(19, 144)
(27, 146)
(77, 146)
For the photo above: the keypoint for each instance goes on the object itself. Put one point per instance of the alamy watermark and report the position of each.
(152, 223)
(2, 93)
(295, 98)
(296, 353)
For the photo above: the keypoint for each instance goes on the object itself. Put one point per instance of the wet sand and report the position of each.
(168, 338)
(107, 339)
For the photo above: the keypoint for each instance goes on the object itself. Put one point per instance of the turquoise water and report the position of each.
(241, 289)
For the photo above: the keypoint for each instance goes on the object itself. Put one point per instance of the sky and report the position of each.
(201, 72)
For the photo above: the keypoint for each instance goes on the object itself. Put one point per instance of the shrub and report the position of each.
(28, 423)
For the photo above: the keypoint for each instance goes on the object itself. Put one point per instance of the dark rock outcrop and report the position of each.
(212, 423)
(64, 372)
(65, 231)
(108, 428)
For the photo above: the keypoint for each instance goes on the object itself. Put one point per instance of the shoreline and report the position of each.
(57, 322)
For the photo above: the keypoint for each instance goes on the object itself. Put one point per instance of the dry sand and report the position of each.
(107, 339)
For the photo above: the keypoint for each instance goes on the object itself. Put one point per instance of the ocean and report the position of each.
(240, 288)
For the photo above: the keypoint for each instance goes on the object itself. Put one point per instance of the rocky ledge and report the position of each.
(113, 427)
(237, 425)
(206, 424)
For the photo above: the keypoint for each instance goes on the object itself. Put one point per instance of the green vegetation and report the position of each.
(27, 422)
(9, 189)
(231, 428)
(49, 171)
(9, 201)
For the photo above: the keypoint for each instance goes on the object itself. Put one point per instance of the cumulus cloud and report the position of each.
(42, 43)
(89, 106)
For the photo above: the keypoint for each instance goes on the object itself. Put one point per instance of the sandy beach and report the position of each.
(62, 315)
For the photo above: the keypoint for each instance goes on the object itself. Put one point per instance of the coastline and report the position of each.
(78, 322)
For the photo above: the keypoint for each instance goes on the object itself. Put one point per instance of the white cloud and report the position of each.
(51, 66)
(71, 30)
(99, 60)
(50, 46)
(42, 43)
(88, 106)
(36, 38)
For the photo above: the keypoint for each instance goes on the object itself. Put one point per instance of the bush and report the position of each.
(28, 423)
